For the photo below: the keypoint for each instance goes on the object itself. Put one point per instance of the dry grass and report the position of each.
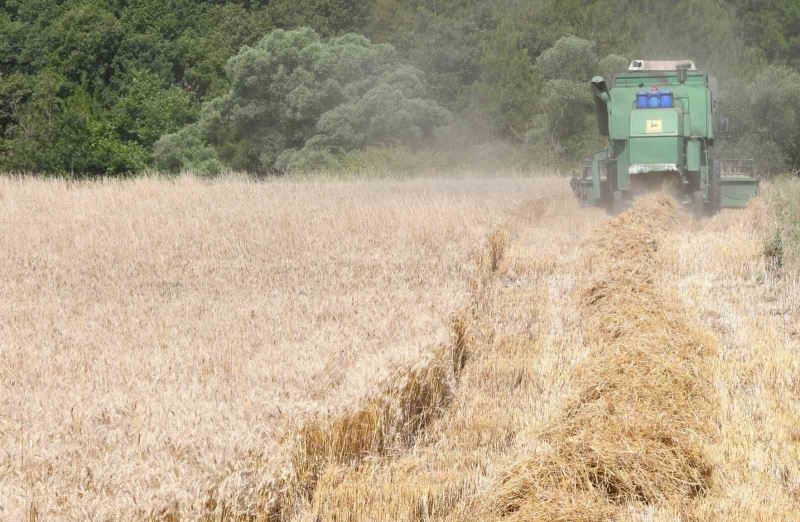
(388, 421)
(161, 340)
(519, 352)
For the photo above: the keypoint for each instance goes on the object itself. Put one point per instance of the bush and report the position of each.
(612, 64)
(775, 98)
(571, 58)
(186, 150)
(783, 247)
(765, 119)
(507, 93)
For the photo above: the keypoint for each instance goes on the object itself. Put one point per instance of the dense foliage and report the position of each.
(113, 86)
(298, 103)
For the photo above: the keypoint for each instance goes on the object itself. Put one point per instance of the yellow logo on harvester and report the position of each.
(654, 126)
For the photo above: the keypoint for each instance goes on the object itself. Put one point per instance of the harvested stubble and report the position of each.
(634, 433)
(753, 306)
(529, 336)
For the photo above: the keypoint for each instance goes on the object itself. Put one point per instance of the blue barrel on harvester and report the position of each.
(653, 99)
(641, 100)
(665, 97)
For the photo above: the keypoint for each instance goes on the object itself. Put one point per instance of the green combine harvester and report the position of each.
(659, 119)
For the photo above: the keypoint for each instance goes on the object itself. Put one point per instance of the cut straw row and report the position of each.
(633, 435)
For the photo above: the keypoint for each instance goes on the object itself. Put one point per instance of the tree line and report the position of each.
(118, 86)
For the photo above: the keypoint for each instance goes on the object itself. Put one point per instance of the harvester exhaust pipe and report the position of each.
(601, 99)
(681, 70)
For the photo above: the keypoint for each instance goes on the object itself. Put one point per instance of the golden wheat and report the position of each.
(160, 338)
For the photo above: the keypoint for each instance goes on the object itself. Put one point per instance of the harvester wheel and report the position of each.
(715, 188)
(617, 203)
(698, 203)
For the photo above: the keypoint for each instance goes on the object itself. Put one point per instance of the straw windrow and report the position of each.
(634, 432)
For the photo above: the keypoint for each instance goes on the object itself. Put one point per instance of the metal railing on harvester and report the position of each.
(730, 168)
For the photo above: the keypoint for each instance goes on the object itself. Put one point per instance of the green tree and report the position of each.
(612, 64)
(326, 17)
(146, 109)
(32, 123)
(509, 86)
(766, 122)
(83, 82)
(82, 42)
(571, 58)
(187, 150)
(773, 27)
(296, 100)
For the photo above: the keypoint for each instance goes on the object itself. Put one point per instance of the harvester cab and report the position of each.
(659, 119)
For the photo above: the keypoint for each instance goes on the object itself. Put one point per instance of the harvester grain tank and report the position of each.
(659, 120)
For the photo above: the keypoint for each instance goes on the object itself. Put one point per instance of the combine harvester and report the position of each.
(659, 120)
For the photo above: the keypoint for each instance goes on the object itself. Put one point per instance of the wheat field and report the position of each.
(160, 338)
(429, 349)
